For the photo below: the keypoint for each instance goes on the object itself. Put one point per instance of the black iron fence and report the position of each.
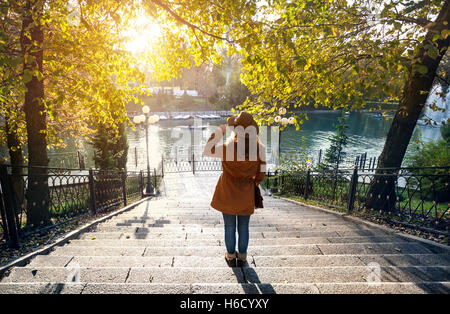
(72, 193)
(415, 197)
(316, 157)
(190, 163)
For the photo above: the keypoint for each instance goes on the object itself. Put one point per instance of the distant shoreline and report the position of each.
(297, 111)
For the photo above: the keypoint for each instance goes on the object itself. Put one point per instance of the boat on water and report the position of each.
(182, 117)
(199, 127)
(208, 116)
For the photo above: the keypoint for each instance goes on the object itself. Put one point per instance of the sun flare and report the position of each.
(142, 34)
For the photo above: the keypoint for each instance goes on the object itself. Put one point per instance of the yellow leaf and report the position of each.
(334, 30)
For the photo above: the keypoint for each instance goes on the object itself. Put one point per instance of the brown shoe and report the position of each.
(241, 259)
(230, 259)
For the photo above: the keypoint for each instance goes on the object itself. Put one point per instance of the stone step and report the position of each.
(211, 211)
(126, 274)
(180, 251)
(147, 243)
(345, 274)
(281, 206)
(219, 221)
(159, 219)
(164, 224)
(197, 229)
(335, 274)
(212, 242)
(253, 261)
(219, 236)
(225, 288)
(202, 202)
(350, 260)
(106, 228)
(209, 219)
(302, 249)
(104, 261)
(216, 214)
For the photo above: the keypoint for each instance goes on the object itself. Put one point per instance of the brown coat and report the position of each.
(235, 190)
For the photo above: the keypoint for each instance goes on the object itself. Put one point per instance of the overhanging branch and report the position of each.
(183, 21)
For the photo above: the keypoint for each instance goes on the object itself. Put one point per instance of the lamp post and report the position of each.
(149, 190)
(284, 122)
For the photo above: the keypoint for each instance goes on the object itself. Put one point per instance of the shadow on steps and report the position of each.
(252, 285)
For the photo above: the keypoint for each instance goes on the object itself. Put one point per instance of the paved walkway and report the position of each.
(174, 244)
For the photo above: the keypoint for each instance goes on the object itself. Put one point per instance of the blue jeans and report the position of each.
(230, 232)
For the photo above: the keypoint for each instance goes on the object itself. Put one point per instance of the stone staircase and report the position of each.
(174, 244)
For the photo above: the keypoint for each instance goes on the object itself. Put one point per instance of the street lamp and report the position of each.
(283, 121)
(149, 190)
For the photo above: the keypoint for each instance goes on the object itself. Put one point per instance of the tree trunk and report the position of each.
(36, 117)
(381, 195)
(17, 160)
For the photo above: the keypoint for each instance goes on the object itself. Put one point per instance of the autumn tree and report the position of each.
(65, 74)
(332, 51)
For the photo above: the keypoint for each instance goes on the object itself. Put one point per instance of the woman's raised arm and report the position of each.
(210, 146)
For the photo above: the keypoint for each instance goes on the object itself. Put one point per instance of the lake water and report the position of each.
(366, 133)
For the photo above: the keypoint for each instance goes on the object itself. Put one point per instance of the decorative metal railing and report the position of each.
(415, 197)
(72, 193)
(190, 163)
